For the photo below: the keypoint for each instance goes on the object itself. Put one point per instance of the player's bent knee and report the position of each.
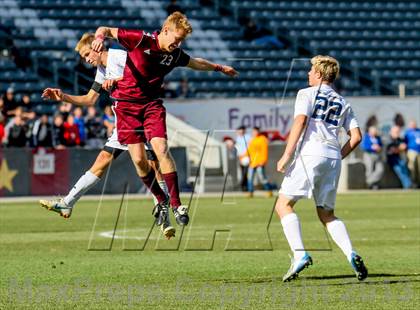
(325, 214)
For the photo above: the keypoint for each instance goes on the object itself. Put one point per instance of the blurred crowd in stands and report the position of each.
(251, 151)
(400, 150)
(20, 126)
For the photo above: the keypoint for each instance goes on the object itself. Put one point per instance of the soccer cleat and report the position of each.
(167, 230)
(296, 267)
(161, 211)
(358, 266)
(181, 215)
(58, 206)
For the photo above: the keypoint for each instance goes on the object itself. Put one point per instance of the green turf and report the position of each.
(45, 262)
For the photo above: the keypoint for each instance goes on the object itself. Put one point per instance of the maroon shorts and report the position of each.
(139, 122)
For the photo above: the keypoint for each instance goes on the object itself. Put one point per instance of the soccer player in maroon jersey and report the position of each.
(110, 66)
(140, 114)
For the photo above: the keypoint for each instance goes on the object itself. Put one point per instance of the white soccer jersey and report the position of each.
(326, 115)
(114, 68)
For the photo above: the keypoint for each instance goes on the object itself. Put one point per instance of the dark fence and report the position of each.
(52, 172)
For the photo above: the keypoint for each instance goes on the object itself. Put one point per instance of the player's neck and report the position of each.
(318, 83)
(104, 58)
(159, 40)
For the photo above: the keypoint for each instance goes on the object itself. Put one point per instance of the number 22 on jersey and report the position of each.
(327, 109)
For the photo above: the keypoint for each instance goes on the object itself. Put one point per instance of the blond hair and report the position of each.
(179, 21)
(327, 66)
(86, 39)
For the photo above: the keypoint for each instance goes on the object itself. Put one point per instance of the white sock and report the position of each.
(339, 234)
(291, 228)
(86, 181)
(163, 186)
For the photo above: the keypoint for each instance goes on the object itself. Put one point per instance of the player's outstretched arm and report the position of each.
(355, 138)
(100, 35)
(205, 65)
(295, 133)
(57, 94)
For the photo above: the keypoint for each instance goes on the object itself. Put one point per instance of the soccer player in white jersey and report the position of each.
(313, 144)
(110, 67)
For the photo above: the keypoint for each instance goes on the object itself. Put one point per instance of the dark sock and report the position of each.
(153, 185)
(171, 180)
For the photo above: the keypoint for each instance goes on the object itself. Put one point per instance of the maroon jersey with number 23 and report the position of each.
(146, 66)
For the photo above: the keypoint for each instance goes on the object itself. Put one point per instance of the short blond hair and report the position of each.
(179, 21)
(327, 66)
(86, 40)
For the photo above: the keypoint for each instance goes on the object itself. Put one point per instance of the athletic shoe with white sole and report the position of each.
(167, 230)
(58, 206)
(181, 215)
(296, 267)
(358, 267)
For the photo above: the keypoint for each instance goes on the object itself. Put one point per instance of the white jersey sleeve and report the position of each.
(115, 64)
(350, 121)
(303, 104)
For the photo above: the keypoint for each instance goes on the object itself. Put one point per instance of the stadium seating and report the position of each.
(376, 41)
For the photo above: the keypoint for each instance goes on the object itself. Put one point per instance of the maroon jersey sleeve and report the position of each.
(183, 59)
(130, 39)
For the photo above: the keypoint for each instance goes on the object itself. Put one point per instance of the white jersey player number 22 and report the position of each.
(328, 108)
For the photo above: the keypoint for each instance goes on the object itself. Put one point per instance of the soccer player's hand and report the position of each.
(282, 163)
(52, 94)
(228, 70)
(98, 44)
(109, 84)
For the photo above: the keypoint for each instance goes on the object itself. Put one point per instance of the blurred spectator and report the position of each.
(109, 120)
(230, 145)
(42, 132)
(399, 120)
(395, 156)
(183, 90)
(412, 139)
(231, 165)
(371, 121)
(58, 132)
(71, 132)
(258, 154)
(80, 122)
(241, 143)
(27, 107)
(64, 109)
(260, 35)
(16, 131)
(173, 6)
(21, 57)
(95, 130)
(372, 147)
(9, 102)
(1, 129)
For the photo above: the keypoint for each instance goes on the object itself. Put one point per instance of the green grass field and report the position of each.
(47, 262)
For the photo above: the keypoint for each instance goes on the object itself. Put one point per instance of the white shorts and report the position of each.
(113, 141)
(320, 180)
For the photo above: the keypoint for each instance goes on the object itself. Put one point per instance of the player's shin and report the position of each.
(171, 180)
(338, 232)
(292, 231)
(86, 182)
(150, 181)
